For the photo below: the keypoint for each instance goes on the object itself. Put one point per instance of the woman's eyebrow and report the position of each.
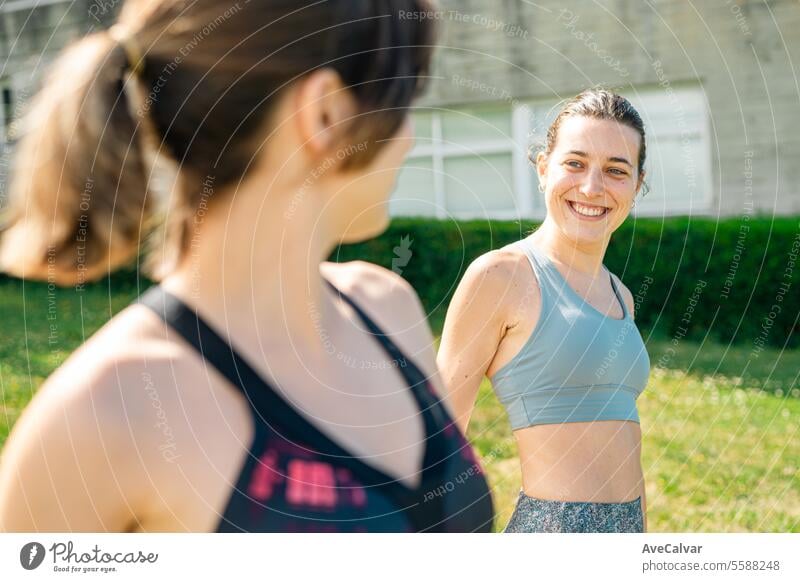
(621, 160)
(611, 159)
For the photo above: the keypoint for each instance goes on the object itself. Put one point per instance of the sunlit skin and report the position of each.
(593, 167)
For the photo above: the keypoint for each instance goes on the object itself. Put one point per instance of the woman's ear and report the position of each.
(541, 170)
(640, 183)
(323, 106)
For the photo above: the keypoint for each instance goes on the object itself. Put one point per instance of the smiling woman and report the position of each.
(560, 346)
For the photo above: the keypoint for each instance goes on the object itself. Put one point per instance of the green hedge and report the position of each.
(690, 277)
(735, 281)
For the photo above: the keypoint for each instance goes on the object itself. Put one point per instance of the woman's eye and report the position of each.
(618, 172)
(574, 163)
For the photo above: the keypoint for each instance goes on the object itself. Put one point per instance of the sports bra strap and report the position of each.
(619, 297)
(414, 377)
(553, 286)
(434, 416)
(293, 426)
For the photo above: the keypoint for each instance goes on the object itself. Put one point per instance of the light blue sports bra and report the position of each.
(578, 365)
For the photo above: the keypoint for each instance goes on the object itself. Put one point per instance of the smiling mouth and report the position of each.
(585, 211)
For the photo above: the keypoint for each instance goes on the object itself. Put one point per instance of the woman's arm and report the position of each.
(474, 327)
(627, 297)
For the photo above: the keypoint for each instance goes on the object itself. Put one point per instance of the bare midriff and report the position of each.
(582, 461)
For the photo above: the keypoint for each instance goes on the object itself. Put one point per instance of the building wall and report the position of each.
(726, 70)
(742, 57)
(32, 33)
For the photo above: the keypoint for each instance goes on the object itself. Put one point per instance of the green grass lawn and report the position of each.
(720, 423)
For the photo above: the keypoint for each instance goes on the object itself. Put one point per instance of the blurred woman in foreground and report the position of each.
(257, 387)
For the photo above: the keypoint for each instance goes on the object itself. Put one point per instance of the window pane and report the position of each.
(677, 174)
(414, 194)
(470, 126)
(422, 126)
(477, 186)
(677, 161)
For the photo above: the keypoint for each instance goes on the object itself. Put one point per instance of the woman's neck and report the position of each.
(254, 271)
(585, 258)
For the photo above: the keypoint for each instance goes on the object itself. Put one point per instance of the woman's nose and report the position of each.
(592, 184)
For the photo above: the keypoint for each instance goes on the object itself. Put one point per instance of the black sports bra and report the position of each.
(296, 479)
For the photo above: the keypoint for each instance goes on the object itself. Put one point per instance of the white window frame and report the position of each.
(438, 151)
(17, 5)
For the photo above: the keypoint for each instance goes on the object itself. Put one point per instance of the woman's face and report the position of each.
(363, 194)
(590, 177)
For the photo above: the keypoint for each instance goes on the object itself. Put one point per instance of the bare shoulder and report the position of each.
(112, 375)
(124, 408)
(627, 296)
(393, 304)
(134, 381)
(496, 282)
(376, 289)
(87, 420)
(500, 268)
(367, 280)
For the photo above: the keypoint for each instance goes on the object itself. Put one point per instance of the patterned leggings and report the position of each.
(533, 515)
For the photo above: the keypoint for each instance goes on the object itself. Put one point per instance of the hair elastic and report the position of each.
(133, 55)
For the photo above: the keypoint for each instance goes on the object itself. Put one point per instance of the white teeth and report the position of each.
(587, 210)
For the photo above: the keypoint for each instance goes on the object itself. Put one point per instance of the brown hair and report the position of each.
(598, 104)
(82, 192)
